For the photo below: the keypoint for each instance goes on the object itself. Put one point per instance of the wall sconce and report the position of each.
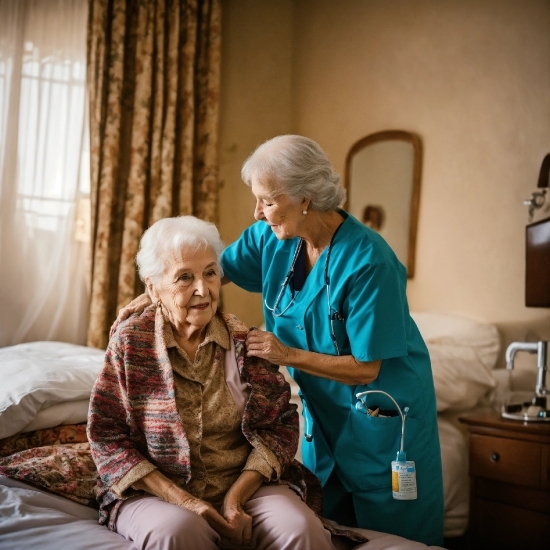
(538, 198)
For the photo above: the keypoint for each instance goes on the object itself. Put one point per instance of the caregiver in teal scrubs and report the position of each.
(336, 314)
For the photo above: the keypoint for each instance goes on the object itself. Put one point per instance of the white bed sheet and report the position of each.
(33, 518)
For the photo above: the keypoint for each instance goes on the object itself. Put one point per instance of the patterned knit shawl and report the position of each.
(133, 414)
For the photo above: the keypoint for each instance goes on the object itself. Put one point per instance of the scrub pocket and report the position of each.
(316, 454)
(367, 447)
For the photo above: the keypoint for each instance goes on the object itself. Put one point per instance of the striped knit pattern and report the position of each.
(133, 414)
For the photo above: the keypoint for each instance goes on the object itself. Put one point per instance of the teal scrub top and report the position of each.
(368, 289)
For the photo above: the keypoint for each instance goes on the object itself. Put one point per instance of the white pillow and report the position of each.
(38, 375)
(463, 353)
(68, 412)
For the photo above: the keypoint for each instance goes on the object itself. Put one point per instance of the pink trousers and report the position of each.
(281, 521)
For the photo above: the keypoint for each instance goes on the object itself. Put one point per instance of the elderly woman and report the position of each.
(336, 313)
(194, 441)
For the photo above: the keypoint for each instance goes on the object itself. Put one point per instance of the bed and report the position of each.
(43, 409)
(463, 353)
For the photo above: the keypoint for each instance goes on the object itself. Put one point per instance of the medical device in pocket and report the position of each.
(403, 471)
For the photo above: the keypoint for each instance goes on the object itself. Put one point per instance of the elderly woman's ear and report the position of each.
(151, 290)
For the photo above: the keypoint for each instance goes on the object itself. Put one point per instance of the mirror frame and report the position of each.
(392, 135)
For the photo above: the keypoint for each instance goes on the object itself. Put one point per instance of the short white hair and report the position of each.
(299, 168)
(168, 236)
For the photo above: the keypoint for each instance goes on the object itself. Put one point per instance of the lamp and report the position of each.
(537, 294)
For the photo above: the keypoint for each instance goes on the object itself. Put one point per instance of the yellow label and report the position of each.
(395, 482)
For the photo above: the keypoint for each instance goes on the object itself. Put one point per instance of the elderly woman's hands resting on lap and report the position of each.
(233, 523)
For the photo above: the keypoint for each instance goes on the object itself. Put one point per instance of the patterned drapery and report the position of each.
(153, 87)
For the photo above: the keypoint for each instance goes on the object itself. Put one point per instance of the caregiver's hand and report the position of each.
(267, 346)
(342, 368)
(137, 305)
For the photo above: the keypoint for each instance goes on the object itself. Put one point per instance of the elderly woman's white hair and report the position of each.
(168, 236)
(299, 168)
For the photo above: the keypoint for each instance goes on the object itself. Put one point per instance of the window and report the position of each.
(44, 170)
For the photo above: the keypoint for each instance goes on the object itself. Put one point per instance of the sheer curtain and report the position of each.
(44, 171)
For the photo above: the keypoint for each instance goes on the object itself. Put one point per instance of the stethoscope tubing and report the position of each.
(331, 317)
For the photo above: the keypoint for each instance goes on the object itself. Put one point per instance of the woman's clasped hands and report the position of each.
(233, 524)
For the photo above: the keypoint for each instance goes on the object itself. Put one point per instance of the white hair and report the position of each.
(299, 168)
(169, 236)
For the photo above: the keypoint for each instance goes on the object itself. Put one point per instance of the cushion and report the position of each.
(60, 435)
(67, 470)
(67, 412)
(38, 375)
(463, 352)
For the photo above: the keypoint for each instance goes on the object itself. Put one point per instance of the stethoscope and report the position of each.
(336, 316)
(361, 405)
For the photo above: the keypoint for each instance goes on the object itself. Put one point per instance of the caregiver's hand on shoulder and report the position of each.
(267, 346)
(137, 305)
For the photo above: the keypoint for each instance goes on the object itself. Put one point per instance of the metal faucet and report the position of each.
(540, 348)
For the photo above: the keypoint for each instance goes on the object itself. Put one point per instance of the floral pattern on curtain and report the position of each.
(153, 86)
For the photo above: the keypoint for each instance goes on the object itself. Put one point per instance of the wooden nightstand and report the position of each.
(509, 483)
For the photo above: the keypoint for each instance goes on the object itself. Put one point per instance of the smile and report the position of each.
(200, 306)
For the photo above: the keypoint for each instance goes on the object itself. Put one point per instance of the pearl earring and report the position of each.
(304, 212)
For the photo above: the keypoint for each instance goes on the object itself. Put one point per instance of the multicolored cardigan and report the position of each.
(133, 414)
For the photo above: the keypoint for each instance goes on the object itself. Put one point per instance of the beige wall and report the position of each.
(255, 104)
(471, 77)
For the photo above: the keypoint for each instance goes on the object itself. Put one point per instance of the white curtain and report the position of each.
(44, 171)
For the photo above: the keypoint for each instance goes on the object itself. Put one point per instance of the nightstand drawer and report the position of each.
(508, 528)
(509, 460)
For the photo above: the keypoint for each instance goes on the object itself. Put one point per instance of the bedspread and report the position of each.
(57, 459)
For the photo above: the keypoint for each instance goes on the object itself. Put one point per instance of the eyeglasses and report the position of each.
(332, 316)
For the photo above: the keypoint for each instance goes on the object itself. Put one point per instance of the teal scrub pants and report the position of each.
(375, 508)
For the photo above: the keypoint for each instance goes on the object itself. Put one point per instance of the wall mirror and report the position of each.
(382, 180)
